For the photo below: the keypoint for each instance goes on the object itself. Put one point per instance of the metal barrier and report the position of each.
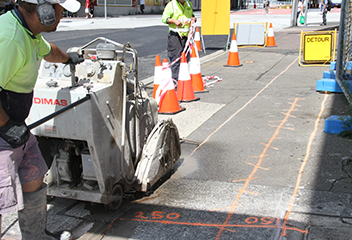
(344, 51)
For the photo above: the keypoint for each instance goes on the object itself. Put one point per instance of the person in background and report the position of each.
(87, 9)
(321, 5)
(91, 7)
(22, 166)
(299, 10)
(142, 3)
(178, 14)
(266, 6)
(325, 11)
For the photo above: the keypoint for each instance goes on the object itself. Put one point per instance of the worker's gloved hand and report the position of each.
(15, 133)
(74, 58)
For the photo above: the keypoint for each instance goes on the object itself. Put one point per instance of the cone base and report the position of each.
(192, 100)
(233, 65)
(203, 91)
(170, 113)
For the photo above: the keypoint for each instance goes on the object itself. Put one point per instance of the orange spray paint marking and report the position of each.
(261, 224)
(282, 127)
(263, 153)
(244, 106)
(268, 145)
(259, 167)
(309, 145)
(247, 192)
(286, 114)
(259, 156)
(213, 210)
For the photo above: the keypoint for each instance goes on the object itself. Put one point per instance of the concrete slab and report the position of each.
(195, 115)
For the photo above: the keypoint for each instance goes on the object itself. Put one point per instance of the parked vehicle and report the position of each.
(336, 3)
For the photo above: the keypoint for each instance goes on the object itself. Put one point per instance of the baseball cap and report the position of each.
(69, 5)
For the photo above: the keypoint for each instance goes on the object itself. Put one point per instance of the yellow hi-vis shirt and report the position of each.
(184, 13)
(19, 69)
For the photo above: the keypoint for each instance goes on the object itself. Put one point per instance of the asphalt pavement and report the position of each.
(255, 163)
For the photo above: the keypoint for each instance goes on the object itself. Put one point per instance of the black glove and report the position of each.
(74, 58)
(15, 133)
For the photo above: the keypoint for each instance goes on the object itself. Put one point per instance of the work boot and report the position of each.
(32, 219)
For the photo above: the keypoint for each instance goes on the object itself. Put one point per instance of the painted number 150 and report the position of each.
(157, 215)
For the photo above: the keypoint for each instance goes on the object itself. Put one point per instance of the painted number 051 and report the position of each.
(263, 220)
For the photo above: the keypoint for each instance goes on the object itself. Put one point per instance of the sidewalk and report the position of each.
(264, 168)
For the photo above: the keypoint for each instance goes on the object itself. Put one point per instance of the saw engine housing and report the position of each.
(98, 129)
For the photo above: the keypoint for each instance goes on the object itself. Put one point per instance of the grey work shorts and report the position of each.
(18, 166)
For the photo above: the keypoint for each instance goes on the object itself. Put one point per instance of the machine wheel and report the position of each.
(117, 191)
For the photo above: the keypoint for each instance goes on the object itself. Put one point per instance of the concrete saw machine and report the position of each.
(98, 129)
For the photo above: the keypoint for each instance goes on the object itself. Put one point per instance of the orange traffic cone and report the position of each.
(166, 95)
(164, 76)
(197, 40)
(185, 91)
(233, 59)
(196, 76)
(157, 74)
(270, 41)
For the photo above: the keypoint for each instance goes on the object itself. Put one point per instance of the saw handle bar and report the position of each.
(62, 110)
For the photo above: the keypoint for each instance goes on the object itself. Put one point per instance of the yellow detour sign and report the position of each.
(216, 17)
(317, 48)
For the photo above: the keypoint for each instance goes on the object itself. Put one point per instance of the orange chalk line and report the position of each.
(255, 165)
(295, 99)
(211, 224)
(213, 210)
(244, 106)
(275, 138)
(243, 180)
(269, 145)
(290, 115)
(259, 156)
(297, 104)
(264, 151)
(309, 145)
(282, 127)
(247, 192)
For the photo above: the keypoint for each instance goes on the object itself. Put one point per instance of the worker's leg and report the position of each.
(175, 47)
(34, 208)
(31, 172)
(324, 17)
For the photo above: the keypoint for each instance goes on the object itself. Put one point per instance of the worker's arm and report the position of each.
(175, 21)
(57, 55)
(178, 22)
(167, 14)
